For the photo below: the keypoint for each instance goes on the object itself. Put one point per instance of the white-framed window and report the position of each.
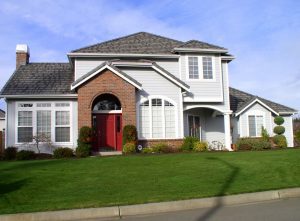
(157, 119)
(25, 127)
(200, 68)
(62, 126)
(255, 124)
(50, 119)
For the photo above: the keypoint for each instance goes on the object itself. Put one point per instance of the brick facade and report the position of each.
(106, 82)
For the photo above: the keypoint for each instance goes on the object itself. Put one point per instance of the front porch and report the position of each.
(210, 125)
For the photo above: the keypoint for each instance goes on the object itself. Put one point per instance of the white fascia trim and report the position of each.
(200, 50)
(227, 58)
(258, 101)
(121, 55)
(101, 69)
(41, 96)
(202, 99)
(171, 79)
(188, 107)
(286, 112)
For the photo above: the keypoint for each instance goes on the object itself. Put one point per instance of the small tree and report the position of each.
(41, 138)
(129, 134)
(279, 138)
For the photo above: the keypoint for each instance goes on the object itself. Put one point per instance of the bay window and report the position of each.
(157, 119)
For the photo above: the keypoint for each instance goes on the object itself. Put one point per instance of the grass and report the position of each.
(43, 185)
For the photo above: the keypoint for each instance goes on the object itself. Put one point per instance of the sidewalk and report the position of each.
(143, 209)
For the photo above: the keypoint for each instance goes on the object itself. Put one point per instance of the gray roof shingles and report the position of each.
(40, 78)
(199, 45)
(240, 99)
(143, 43)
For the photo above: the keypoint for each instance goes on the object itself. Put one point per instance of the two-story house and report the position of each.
(168, 88)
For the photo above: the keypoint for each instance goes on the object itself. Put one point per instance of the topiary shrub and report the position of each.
(250, 143)
(25, 155)
(188, 143)
(278, 120)
(10, 153)
(63, 152)
(129, 134)
(279, 130)
(200, 146)
(129, 148)
(86, 134)
(280, 141)
(83, 150)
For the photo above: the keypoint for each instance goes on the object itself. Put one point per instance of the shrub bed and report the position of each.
(250, 143)
(25, 155)
(63, 152)
(200, 146)
(10, 153)
(129, 148)
(188, 143)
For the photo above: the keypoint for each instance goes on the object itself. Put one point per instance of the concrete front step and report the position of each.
(108, 153)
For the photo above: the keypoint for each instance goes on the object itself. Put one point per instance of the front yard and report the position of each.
(94, 182)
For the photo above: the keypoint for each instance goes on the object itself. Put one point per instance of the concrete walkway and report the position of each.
(153, 208)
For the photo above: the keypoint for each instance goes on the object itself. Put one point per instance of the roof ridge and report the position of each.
(201, 42)
(124, 37)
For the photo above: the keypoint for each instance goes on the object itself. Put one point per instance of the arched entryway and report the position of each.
(107, 123)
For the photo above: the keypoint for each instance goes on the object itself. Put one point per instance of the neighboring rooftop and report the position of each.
(40, 79)
(240, 99)
(2, 113)
(143, 43)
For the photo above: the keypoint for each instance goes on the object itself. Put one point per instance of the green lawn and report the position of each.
(105, 181)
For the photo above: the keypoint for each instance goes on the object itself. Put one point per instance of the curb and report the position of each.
(150, 208)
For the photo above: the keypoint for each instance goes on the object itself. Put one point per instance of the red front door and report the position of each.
(108, 131)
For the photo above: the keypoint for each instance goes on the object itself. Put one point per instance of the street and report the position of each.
(287, 210)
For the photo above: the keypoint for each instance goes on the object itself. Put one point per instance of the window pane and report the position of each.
(44, 123)
(62, 105)
(193, 68)
(191, 125)
(157, 130)
(144, 120)
(43, 104)
(25, 118)
(259, 124)
(24, 134)
(62, 134)
(252, 126)
(170, 120)
(207, 68)
(62, 118)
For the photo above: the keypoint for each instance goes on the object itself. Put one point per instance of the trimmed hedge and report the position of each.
(10, 153)
(279, 130)
(129, 148)
(249, 143)
(280, 141)
(83, 150)
(63, 152)
(25, 155)
(129, 134)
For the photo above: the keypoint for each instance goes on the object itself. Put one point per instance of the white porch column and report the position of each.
(227, 131)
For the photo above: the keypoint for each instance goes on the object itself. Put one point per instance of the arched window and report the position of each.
(157, 119)
(106, 102)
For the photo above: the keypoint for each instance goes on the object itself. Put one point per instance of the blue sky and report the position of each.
(263, 35)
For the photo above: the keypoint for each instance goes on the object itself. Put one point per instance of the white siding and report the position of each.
(244, 130)
(84, 65)
(2, 124)
(10, 116)
(206, 90)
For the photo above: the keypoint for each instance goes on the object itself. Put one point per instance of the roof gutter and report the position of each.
(200, 50)
(41, 96)
(75, 54)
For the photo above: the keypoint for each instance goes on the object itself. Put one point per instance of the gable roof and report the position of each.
(195, 44)
(2, 114)
(240, 100)
(40, 79)
(145, 43)
(101, 67)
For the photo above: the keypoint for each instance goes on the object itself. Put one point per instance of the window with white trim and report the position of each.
(207, 68)
(200, 68)
(62, 126)
(160, 114)
(25, 129)
(255, 124)
(193, 68)
(43, 121)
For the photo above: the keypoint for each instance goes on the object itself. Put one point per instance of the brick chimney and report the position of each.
(22, 55)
